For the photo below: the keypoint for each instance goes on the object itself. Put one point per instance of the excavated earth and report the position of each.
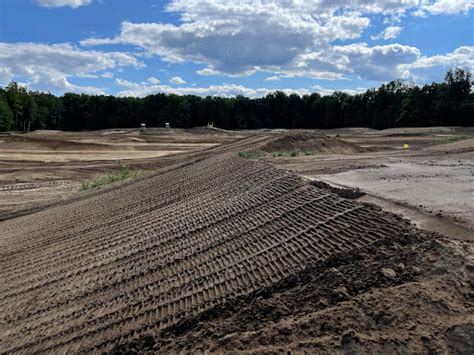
(310, 143)
(221, 253)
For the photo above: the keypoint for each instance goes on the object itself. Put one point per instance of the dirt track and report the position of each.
(45, 167)
(214, 246)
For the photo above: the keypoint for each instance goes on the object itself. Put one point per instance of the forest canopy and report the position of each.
(395, 104)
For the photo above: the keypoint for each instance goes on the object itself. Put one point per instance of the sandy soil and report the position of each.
(215, 252)
(43, 167)
(434, 177)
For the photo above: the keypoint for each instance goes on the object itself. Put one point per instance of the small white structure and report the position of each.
(167, 125)
(142, 128)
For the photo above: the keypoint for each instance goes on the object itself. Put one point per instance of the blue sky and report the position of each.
(230, 47)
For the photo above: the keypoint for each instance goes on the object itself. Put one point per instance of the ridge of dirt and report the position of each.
(350, 193)
(313, 143)
(405, 294)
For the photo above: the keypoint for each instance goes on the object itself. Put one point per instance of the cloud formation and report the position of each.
(225, 90)
(49, 67)
(281, 39)
(290, 38)
(439, 7)
(62, 3)
(430, 68)
(390, 32)
(177, 80)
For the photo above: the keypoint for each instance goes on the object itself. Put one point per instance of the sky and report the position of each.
(231, 47)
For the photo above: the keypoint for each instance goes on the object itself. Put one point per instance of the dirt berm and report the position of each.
(311, 143)
(400, 295)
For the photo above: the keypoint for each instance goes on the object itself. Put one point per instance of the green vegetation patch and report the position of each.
(124, 173)
(453, 139)
(284, 153)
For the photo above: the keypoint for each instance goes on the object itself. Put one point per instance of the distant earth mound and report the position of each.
(310, 143)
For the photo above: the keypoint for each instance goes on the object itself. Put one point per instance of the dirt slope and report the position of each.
(311, 143)
(397, 295)
(104, 270)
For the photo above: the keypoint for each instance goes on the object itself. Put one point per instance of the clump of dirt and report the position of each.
(311, 143)
(405, 294)
(349, 193)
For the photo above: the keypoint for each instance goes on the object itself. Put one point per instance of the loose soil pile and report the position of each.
(310, 143)
(405, 294)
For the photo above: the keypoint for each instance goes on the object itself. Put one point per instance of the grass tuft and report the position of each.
(124, 173)
(452, 139)
(249, 154)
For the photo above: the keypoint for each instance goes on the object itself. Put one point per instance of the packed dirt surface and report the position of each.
(434, 176)
(43, 167)
(215, 252)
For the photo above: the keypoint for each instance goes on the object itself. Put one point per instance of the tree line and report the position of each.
(395, 104)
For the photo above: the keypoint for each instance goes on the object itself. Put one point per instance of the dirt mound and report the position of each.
(310, 143)
(14, 141)
(400, 295)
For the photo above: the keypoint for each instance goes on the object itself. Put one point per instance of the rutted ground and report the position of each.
(398, 295)
(218, 252)
(166, 248)
(44, 167)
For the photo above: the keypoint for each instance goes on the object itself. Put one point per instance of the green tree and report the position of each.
(6, 114)
(30, 112)
(15, 103)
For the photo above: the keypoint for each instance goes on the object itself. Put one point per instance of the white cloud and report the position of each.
(177, 80)
(272, 78)
(289, 38)
(326, 91)
(61, 3)
(6, 75)
(448, 7)
(50, 67)
(106, 75)
(428, 69)
(153, 80)
(239, 37)
(126, 83)
(224, 90)
(207, 72)
(379, 63)
(390, 32)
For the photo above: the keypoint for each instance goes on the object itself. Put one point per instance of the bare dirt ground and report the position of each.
(43, 167)
(215, 252)
(431, 178)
